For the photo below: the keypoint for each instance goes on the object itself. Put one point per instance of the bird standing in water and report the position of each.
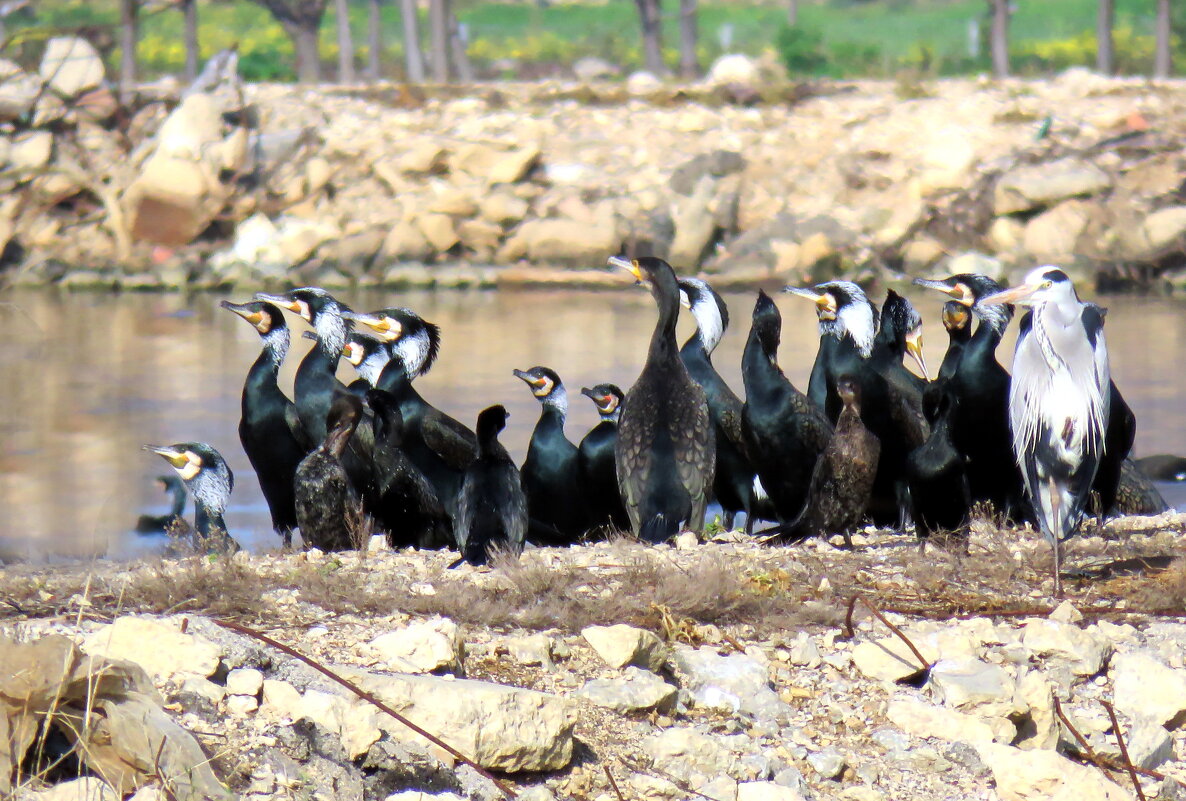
(270, 428)
(666, 451)
(1058, 401)
(595, 456)
(210, 481)
(491, 506)
(327, 505)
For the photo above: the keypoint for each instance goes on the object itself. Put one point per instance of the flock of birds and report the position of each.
(870, 439)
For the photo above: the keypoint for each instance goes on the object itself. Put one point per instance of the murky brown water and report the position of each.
(87, 379)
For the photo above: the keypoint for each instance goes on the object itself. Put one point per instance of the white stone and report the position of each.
(969, 683)
(241, 705)
(1084, 652)
(281, 699)
(71, 65)
(683, 752)
(1045, 776)
(31, 151)
(1145, 687)
(924, 720)
(736, 683)
(1043, 184)
(638, 690)
(828, 763)
(203, 688)
(766, 791)
(733, 68)
(86, 789)
(622, 645)
(158, 646)
(533, 650)
(1149, 744)
(422, 647)
(244, 681)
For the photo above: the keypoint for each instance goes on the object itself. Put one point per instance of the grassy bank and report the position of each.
(845, 37)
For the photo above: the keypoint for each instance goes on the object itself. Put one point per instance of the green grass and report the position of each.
(877, 37)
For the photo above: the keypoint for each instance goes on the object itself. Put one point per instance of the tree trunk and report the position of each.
(345, 43)
(1163, 61)
(792, 12)
(652, 35)
(192, 54)
(464, 69)
(1105, 53)
(438, 25)
(308, 53)
(129, 35)
(1000, 38)
(689, 65)
(413, 57)
(374, 38)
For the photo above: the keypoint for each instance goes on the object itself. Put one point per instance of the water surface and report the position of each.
(87, 379)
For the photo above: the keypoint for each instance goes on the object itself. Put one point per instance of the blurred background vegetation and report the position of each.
(836, 38)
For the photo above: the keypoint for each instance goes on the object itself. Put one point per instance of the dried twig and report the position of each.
(922, 660)
(1089, 754)
(366, 696)
(1132, 773)
(614, 783)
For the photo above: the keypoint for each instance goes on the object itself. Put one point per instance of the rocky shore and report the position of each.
(748, 178)
(723, 670)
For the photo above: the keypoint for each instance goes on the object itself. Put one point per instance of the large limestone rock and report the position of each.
(1053, 236)
(972, 683)
(86, 789)
(622, 645)
(1145, 687)
(31, 151)
(926, 720)
(156, 645)
(637, 691)
(424, 646)
(71, 66)
(1045, 776)
(736, 683)
(766, 791)
(1039, 185)
(18, 91)
(1164, 228)
(683, 752)
(501, 728)
(1084, 652)
(563, 241)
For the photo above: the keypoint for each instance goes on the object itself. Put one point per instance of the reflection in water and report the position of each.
(89, 378)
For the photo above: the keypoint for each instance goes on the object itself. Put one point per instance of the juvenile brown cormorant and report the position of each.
(158, 524)
(491, 506)
(327, 504)
(438, 445)
(665, 451)
(843, 477)
(595, 455)
(405, 504)
(210, 481)
(784, 431)
(733, 482)
(551, 473)
(270, 428)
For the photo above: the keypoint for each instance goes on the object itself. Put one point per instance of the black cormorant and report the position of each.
(784, 431)
(158, 524)
(936, 474)
(210, 481)
(843, 477)
(551, 473)
(368, 356)
(595, 455)
(327, 506)
(665, 451)
(491, 506)
(733, 482)
(957, 319)
(270, 428)
(1136, 494)
(1163, 467)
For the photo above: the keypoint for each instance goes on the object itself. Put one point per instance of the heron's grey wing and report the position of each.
(1093, 326)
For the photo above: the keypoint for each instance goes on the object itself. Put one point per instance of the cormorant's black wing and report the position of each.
(452, 441)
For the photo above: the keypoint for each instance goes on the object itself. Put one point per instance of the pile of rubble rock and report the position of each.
(221, 183)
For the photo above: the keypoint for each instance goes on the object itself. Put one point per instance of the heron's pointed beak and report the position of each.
(914, 348)
(385, 329)
(629, 265)
(1017, 294)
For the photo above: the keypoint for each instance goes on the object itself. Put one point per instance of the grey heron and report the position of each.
(1058, 400)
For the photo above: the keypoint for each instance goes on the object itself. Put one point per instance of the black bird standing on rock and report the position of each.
(210, 481)
(157, 524)
(491, 506)
(270, 427)
(843, 477)
(784, 431)
(666, 451)
(595, 456)
(733, 482)
(551, 473)
(327, 504)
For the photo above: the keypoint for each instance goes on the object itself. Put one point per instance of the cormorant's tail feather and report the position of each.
(658, 529)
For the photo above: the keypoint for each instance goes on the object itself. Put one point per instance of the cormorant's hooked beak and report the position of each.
(530, 380)
(293, 305)
(604, 403)
(309, 335)
(186, 463)
(250, 315)
(386, 329)
(914, 348)
(825, 304)
(629, 265)
(958, 291)
(1017, 294)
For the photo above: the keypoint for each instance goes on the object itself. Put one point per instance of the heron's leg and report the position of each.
(1056, 509)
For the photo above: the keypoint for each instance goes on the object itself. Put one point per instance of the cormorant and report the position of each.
(1136, 494)
(439, 446)
(210, 481)
(957, 319)
(665, 451)
(936, 474)
(327, 505)
(405, 504)
(491, 506)
(1163, 467)
(733, 482)
(551, 473)
(368, 356)
(595, 456)
(784, 431)
(270, 428)
(979, 424)
(843, 477)
(158, 524)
